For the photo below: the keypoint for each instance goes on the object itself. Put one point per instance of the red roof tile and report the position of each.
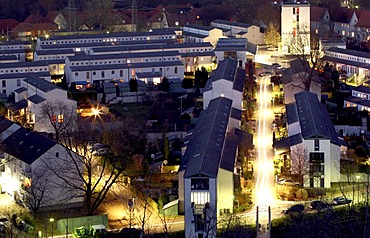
(363, 19)
(8, 24)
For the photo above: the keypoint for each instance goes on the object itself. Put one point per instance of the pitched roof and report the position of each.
(343, 15)
(40, 83)
(52, 15)
(314, 118)
(364, 19)
(8, 24)
(205, 149)
(22, 27)
(36, 99)
(18, 105)
(229, 153)
(26, 145)
(231, 23)
(226, 69)
(317, 13)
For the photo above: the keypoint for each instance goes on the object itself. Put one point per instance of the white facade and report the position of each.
(197, 33)
(38, 93)
(295, 32)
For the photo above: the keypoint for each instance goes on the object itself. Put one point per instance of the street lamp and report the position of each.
(52, 227)
(358, 188)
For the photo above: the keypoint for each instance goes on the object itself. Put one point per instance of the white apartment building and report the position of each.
(295, 30)
(198, 33)
(227, 80)
(154, 34)
(312, 145)
(352, 62)
(33, 95)
(241, 30)
(237, 48)
(360, 98)
(206, 180)
(23, 157)
(98, 74)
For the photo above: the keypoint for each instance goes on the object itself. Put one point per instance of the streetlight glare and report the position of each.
(51, 219)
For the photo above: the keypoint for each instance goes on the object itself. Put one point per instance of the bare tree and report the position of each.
(37, 190)
(299, 162)
(95, 175)
(59, 115)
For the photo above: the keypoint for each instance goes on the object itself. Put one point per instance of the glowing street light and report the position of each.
(52, 227)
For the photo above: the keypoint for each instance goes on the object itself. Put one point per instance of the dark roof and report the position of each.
(55, 52)
(239, 80)
(125, 66)
(245, 139)
(226, 70)
(284, 145)
(151, 47)
(40, 83)
(8, 57)
(204, 151)
(153, 32)
(229, 153)
(26, 145)
(361, 88)
(346, 62)
(199, 27)
(231, 23)
(18, 105)
(4, 124)
(317, 13)
(360, 101)
(298, 66)
(236, 114)
(106, 44)
(36, 99)
(198, 53)
(349, 52)
(148, 74)
(24, 64)
(124, 55)
(24, 75)
(291, 113)
(314, 118)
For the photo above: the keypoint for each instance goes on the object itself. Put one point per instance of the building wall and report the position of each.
(294, 27)
(225, 191)
(294, 129)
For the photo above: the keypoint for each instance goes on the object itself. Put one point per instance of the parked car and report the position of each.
(100, 152)
(265, 73)
(341, 200)
(319, 205)
(297, 208)
(288, 182)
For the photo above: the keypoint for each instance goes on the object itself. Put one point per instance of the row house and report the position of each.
(155, 34)
(33, 96)
(312, 146)
(98, 74)
(193, 55)
(12, 81)
(208, 167)
(25, 156)
(13, 73)
(227, 80)
(120, 92)
(295, 32)
(349, 61)
(8, 58)
(55, 60)
(199, 33)
(85, 47)
(21, 49)
(250, 32)
(237, 48)
(360, 97)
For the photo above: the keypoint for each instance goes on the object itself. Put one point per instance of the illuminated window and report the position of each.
(200, 197)
(61, 118)
(54, 118)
